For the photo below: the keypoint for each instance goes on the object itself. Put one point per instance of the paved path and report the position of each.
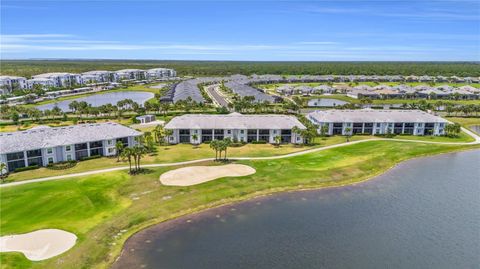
(212, 90)
(475, 136)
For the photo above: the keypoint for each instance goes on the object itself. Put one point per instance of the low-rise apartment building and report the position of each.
(10, 83)
(43, 82)
(61, 80)
(238, 127)
(44, 145)
(99, 76)
(159, 73)
(131, 74)
(374, 122)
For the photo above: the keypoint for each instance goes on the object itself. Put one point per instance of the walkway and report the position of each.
(475, 136)
(217, 98)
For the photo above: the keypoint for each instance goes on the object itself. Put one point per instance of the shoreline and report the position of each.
(204, 209)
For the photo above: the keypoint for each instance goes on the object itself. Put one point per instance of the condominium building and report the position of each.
(99, 76)
(43, 82)
(131, 74)
(368, 121)
(61, 80)
(198, 128)
(10, 83)
(159, 73)
(44, 145)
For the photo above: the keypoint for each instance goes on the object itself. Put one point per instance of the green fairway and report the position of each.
(98, 208)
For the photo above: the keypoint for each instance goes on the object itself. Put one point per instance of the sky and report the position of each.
(262, 30)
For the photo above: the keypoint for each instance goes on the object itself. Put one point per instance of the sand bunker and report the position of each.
(193, 175)
(39, 245)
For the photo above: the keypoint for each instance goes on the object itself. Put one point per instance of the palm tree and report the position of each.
(127, 154)
(139, 151)
(297, 132)
(348, 133)
(215, 146)
(195, 140)
(277, 140)
(225, 144)
(119, 148)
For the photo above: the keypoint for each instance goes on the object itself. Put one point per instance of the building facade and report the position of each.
(198, 128)
(377, 122)
(159, 73)
(44, 145)
(131, 74)
(62, 80)
(99, 77)
(11, 83)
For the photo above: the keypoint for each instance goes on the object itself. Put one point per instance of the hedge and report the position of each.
(26, 168)
(91, 157)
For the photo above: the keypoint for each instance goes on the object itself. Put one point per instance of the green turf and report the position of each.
(98, 207)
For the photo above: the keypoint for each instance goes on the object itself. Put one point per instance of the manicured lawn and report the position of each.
(462, 137)
(465, 122)
(98, 207)
(179, 153)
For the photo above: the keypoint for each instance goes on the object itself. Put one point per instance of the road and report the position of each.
(475, 136)
(213, 92)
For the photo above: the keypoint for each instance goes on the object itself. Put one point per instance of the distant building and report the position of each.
(44, 82)
(41, 146)
(99, 76)
(131, 74)
(61, 80)
(159, 73)
(145, 119)
(10, 83)
(246, 128)
(372, 122)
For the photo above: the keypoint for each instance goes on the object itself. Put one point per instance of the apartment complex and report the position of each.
(44, 145)
(10, 83)
(238, 127)
(61, 80)
(368, 121)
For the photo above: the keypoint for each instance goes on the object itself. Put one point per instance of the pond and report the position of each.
(475, 128)
(102, 99)
(424, 213)
(325, 102)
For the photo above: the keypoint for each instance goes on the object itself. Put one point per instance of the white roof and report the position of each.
(56, 74)
(10, 77)
(129, 70)
(97, 72)
(58, 136)
(234, 121)
(371, 115)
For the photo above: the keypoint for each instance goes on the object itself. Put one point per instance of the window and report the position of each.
(49, 151)
(378, 124)
(111, 150)
(229, 131)
(69, 157)
(241, 131)
(109, 142)
(68, 148)
(50, 159)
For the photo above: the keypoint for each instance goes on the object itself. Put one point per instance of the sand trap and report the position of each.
(39, 245)
(193, 175)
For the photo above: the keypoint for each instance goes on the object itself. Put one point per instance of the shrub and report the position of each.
(259, 142)
(62, 165)
(91, 157)
(26, 168)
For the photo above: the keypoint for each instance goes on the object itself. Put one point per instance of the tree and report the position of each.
(195, 139)
(119, 148)
(15, 117)
(324, 130)
(3, 167)
(127, 154)
(452, 130)
(214, 144)
(278, 140)
(348, 133)
(297, 132)
(138, 152)
(226, 142)
(149, 141)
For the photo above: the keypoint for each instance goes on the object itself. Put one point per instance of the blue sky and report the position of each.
(242, 30)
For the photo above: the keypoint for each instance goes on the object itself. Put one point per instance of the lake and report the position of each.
(325, 102)
(475, 128)
(424, 213)
(102, 99)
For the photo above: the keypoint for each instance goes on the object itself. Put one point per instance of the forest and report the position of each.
(27, 68)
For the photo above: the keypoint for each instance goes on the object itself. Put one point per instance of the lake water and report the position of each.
(325, 102)
(102, 99)
(425, 213)
(475, 128)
